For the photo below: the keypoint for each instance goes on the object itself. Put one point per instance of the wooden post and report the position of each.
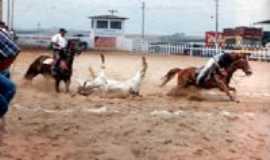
(1, 10)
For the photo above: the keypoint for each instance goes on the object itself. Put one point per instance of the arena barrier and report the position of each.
(188, 50)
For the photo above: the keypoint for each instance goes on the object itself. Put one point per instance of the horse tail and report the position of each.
(35, 68)
(169, 76)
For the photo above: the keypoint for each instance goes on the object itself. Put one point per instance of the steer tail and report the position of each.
(169, 76)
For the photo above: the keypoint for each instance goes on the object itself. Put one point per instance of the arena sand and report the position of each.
(44, 125)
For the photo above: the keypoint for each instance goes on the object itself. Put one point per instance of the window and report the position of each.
(102, 24)
(116, 25)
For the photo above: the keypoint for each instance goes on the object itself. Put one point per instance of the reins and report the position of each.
(239, 77)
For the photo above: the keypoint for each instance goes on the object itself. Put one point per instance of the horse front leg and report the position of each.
(67, 84)
(57, 85)
(223, 87)
(3, 128)
(232, 89)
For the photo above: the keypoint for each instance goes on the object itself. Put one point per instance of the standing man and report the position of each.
(8, 53)
(59, 44)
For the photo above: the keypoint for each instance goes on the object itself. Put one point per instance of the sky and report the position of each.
(192, 17)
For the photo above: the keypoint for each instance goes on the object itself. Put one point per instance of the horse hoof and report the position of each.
(3, 128)
(237, 101)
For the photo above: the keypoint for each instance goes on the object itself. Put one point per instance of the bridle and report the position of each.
(234, 67)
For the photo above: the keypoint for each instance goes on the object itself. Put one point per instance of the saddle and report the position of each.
(205, 75)
(62, 64)
(48, 61)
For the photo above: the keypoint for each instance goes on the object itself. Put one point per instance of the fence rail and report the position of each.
(171, 49)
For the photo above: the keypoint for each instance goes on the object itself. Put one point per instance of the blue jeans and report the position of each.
(7, 92)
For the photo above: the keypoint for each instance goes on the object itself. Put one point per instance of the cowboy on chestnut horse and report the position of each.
(216, 64)
(217, 73)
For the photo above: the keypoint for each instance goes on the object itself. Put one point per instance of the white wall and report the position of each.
(123, 43)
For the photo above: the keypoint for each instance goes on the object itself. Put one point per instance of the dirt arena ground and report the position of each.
(43, 125)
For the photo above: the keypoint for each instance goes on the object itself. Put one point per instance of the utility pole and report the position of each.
(12, 14)
(143, 19)
(217, 24)
(39, 33)
(1, 10)
(8, 12)
(112, 11)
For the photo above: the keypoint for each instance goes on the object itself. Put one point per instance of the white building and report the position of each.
(107, 32)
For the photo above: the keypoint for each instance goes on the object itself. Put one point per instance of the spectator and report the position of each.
(8, 53)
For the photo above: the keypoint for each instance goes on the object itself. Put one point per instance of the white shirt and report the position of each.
(268, 45)
(60, 40)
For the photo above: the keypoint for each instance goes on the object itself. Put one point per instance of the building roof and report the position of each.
(107, 17)
(264, 22)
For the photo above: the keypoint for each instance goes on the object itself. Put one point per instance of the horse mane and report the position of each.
(73, 47)
(232, 69)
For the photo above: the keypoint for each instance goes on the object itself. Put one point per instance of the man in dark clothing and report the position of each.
(215, 64)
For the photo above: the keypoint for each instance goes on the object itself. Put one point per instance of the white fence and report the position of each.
(125, 44)
(140, 45)
(185, 49)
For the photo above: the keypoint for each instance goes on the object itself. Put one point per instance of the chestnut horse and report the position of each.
(43, 65)
(187, 77)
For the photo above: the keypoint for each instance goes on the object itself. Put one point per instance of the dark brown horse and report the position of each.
(187, 77)
(43, 65)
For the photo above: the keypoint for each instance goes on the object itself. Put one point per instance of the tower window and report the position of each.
(116, 25)
(102, 24)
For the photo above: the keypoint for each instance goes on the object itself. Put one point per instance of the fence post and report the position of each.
(191, 51)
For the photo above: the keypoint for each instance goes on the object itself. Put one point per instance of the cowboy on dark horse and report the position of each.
(216, 64)
(59, 44)
(60, 66)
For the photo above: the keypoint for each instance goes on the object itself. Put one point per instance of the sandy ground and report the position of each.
(43, 125)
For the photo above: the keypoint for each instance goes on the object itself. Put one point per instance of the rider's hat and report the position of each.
(63, 30)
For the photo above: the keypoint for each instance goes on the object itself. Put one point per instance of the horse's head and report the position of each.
(73, 47)
(67, 59)
(243, 64)
(236, 55)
